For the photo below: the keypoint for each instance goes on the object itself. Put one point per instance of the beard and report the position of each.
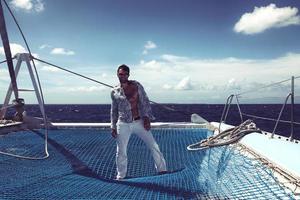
(123, 80)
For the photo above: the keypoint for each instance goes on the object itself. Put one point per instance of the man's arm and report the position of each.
(113, 115)
(145, 107)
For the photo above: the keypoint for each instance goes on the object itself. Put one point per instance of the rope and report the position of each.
(39, 83)
(255, 90)
(226, 137)
(107, 85)
(77, 74)
(291, 179)
(3, 61)
(270, 119)
(6, 60)
(5, 107)
(25, 157)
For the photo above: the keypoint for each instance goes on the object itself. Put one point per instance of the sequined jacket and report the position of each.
(121, 108)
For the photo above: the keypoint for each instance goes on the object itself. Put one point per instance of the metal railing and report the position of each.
(290, 95)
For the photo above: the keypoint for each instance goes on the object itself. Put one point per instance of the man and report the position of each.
(131, 114)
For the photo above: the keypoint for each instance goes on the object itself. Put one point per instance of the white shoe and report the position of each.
(119, 179)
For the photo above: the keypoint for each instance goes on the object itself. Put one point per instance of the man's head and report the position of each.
(123, 73)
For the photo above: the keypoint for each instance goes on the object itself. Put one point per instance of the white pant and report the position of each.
(124, 131)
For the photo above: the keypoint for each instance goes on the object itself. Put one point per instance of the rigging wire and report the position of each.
(7, 51)
(77, 74)
(38, 79)
(107, 85)
(4, 61)
(163, 106)
(266, 86)
(13, 58)
(269, 119)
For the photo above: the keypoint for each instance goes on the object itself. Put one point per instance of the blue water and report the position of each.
(211, 112)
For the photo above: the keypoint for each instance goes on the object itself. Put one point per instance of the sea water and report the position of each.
(93, 113)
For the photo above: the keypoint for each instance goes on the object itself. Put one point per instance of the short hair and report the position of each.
(124, 67)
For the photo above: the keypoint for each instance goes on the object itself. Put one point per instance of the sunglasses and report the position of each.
(122, 74)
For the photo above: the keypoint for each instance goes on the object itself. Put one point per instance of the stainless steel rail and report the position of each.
(290, 95)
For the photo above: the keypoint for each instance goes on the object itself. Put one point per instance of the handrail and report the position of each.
(292, 107)
(279, 116)
(225, 110)
(291, 94)
(238, 105)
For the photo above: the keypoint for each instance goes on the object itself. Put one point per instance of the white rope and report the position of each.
(226, 137)
(5, 107)
(25, 157)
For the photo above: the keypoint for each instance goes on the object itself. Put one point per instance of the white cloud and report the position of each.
(49, 69)
(211, 78)
(263, 18)
(149, 45)
(167, 87)
(87, 89)
(4, 75)
(104, 75)
(39, 6)
(171, 78)
(184, 84)
(15, 48)
(233, 84)
(45, 46)
(28, 5)
(172, 58)
(62, 51)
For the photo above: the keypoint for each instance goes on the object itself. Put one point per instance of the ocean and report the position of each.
(211, 112)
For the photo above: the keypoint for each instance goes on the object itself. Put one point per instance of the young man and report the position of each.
(131, 114)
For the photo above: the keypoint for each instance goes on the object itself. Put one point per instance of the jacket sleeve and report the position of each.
(145, 105)
(113, 111)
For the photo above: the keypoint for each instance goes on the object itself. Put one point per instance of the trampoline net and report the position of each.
(82, 166)
(25, 143)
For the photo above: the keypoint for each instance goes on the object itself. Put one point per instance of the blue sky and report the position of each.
(196, 51)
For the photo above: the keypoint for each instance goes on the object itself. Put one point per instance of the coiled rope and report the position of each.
(226, 137)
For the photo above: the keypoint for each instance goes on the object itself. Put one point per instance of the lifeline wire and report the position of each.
(270, 119)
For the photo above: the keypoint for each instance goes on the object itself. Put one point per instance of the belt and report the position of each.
(136, 118)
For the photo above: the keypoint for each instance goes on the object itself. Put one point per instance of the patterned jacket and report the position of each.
(121, 108)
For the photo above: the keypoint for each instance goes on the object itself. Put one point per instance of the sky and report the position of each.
(195, 51)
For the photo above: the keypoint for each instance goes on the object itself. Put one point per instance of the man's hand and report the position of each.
(114, 133)
(147, 124)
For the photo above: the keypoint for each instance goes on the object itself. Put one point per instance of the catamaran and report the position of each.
(40, 159)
